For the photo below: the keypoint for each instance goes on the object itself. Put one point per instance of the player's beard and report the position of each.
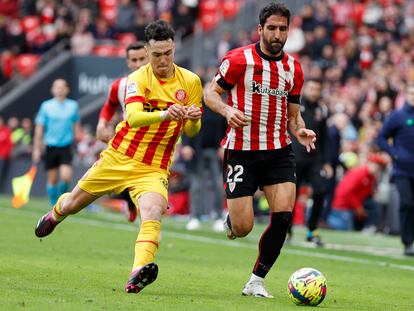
(274, 48)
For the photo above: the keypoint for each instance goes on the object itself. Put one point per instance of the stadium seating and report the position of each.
(26, 64)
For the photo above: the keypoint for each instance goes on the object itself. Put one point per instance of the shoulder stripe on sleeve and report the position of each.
(135, 99)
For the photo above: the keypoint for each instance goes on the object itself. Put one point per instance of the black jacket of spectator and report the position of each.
(315, 117)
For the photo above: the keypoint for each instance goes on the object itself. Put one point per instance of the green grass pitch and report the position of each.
(85, 263)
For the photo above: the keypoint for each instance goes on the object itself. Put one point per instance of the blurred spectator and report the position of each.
(296, 39)
(313, 168)
(13, 124)
(43, 39)
(6, 146)
(102, 30)
(399, 126)
(63, 32)
(82, 41)
(87, 148)
(23, 138)
(224, 45)
(183, 19)
(125, 17)
(309, 21)
(203, 156)
(350, 203)
(178, 185)
(16, 37)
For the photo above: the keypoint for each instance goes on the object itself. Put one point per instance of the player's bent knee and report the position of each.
(152, 212)
(241, 230)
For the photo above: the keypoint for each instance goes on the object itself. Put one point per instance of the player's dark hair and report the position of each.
(159, 30)
(273, 9)
(135, 46)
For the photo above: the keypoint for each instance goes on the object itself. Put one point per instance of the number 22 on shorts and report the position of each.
(233, 176)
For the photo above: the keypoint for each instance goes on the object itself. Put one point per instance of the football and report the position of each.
(307, 286)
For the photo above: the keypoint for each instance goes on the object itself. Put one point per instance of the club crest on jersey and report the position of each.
(232, 185)
(132, 88)
(257, 88)
(224, 67)
(181, 95)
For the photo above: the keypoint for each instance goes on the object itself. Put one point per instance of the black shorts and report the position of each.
(246, 171)
(56, 156)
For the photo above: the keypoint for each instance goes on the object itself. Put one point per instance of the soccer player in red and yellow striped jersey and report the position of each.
(162, 101)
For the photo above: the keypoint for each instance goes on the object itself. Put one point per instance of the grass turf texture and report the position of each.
(85, 263)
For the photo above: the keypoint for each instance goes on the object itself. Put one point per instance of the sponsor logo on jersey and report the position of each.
(149, 108)
(257, 88)
(224, 67)
(132, 88)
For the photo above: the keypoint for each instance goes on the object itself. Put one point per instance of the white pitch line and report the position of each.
(208, 240)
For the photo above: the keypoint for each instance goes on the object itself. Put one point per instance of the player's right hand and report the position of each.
(175, 112)
(236, 118)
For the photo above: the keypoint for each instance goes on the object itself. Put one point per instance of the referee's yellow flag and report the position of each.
(21, 187)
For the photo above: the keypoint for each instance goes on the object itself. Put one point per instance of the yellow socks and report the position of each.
(56, 213)
(146, 245)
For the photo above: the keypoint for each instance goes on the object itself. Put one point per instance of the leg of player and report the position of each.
(66, 173)
(240, 218)
(67, 204)
(312, 223)
(144, 271)
(281, 198)
(51, 185)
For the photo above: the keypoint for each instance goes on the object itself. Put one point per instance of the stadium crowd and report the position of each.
(360, 50)
(103, 27)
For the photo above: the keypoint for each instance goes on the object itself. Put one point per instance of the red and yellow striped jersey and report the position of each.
(154, 144)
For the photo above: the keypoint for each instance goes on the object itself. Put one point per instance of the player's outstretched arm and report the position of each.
(212, 96)
(298, 128)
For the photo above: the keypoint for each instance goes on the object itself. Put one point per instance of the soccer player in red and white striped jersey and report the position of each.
(136, 56)
(264, 85)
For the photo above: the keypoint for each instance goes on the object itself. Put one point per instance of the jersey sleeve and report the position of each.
(135, 92)
(41, 115)
(230, 70)
(196, 93)
(111, 103)
(76, 115)
(298, 79)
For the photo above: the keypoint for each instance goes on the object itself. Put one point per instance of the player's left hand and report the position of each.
(104, 133)
(193, 113)
(307, 138)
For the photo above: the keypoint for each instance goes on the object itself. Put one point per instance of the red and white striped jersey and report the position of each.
(115, 99)
(261, 87)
